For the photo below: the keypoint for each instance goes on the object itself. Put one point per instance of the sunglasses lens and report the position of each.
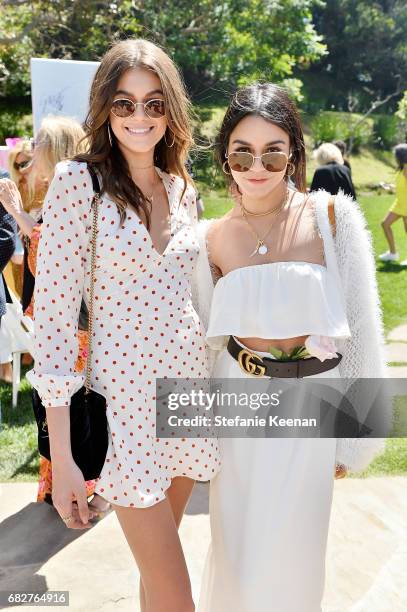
(240, 162)
(123, 108)
(274, 161)
(23, 165)
(155, 109)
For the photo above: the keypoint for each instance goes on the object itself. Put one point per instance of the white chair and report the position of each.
(16, 337)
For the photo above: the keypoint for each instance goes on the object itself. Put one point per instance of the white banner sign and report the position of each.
(60, 87)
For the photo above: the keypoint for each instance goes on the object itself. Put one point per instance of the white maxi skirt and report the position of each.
(269, 507)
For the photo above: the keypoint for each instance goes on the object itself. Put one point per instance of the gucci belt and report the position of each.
(255, 365)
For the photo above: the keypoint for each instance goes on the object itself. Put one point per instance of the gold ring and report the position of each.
(68, 518)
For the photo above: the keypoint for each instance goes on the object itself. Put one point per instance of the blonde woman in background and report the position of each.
(332, 174)
(19, 165)
(59, 138)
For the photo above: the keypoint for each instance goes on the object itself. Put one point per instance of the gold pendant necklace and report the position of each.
(261, 247)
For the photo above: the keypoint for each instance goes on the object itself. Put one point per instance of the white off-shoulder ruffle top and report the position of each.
(280, 299)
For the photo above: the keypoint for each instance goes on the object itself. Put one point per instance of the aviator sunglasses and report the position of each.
(242, 161)
(124, 108)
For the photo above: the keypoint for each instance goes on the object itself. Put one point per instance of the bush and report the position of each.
(323, 129)
(362, 134)
(385, 131)
(14, 123)
(329, 126)
(204, 166)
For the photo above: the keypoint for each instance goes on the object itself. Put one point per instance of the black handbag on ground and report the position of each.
(88, 421)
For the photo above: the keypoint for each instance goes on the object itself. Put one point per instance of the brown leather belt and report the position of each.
(255, 365)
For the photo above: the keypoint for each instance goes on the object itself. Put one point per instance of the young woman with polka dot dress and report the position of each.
(145, 326)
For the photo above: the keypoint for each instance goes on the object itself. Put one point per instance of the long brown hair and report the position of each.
(272, 103)
(112, 165)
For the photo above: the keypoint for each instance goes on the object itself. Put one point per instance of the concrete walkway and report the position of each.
(366, 561)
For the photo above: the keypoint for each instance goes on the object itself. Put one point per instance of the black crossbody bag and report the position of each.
(88, 421)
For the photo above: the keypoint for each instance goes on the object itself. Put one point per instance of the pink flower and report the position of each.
(322, 347)
(11, 142)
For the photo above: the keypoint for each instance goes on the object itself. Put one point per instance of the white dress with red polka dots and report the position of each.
(145, 327)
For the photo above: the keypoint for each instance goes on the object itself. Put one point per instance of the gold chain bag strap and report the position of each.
(88, 420)
(95, 208)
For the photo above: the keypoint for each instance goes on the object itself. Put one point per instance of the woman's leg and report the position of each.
(391, 217)
(153, 538)
(178, 494)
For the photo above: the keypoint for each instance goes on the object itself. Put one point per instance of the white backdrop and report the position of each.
(60, 87)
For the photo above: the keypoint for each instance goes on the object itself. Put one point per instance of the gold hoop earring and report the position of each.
(109, 133)
(224, 165)
(290, 169)
(173, 138)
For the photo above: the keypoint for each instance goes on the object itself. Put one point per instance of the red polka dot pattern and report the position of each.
(145, 327)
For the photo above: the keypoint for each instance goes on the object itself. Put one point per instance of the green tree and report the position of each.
(367, 51)
(217, 44)
(401, 114)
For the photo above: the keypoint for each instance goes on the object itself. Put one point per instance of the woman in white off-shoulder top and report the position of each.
(282, 282)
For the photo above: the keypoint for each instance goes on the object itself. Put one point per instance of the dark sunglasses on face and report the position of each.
(23, 165)
(242, 161)
(124, 108)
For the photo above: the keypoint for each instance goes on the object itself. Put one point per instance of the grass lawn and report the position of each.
(18, 435)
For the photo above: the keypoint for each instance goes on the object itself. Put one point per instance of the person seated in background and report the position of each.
(331, 175)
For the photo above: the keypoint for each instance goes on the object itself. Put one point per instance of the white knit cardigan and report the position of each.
(350, 257)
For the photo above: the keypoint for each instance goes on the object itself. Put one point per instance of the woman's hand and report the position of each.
(67, 482)
(340, 471)
(10, 197)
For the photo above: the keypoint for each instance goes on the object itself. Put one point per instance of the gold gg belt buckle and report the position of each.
(245, 359)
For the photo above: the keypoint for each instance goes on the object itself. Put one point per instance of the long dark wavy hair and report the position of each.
(272, 103)
(113, 167)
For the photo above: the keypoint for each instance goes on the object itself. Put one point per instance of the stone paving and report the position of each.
(366, 558)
